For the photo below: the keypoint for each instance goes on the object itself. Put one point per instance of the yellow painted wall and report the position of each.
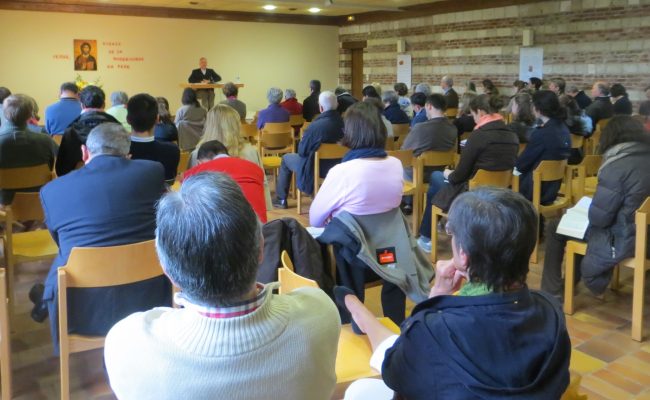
(261, 54)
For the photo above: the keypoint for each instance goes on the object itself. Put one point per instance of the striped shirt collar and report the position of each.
(236, 310)
(142, 139)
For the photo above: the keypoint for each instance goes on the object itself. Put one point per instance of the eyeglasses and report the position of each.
(448, 229)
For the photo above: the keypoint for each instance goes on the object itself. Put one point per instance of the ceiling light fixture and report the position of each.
(269, 7)
(314, 10)
(351, 18)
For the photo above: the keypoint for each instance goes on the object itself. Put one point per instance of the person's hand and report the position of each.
(448, 279)
(447, 172)
(205, 81)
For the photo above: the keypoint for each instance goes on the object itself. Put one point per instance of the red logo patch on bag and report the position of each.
(386, 255)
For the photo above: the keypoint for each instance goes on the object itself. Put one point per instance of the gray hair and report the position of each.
(109, 138)
(328, 101)
(274, 95)
(572, 89)
(423, 88)
(195, 239)
(448, 80)
(18, 109)
(389, 96)
(289, 94)
(118, 98)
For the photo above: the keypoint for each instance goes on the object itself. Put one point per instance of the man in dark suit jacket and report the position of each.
(601, 107)
(109, 202)
(203, 74)
(310, 104)
(344, 98)
(326, 128)
(451, 97)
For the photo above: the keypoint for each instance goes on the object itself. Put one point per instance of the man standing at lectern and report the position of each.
(203, 74)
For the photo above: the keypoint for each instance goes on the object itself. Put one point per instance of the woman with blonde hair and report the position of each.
(223, 124)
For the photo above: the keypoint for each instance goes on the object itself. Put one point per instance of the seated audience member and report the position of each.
(60, 115)
(165, 130)
(118, 109)
(370, 91)
(644, 111)
(548, 141)
(623, 184)
(519, 86)
(92, 100)
(223, 124)
(367, 181)
(20, 147)
(326, 128)
(403, 101)
(4, 93)
(418, 100)
(557, 85)
(213, 157)
(489, 88)
(464, 121)
(523, 118)
(189, 120)
(437, 133)
(273, 113)
(495, 338)
(142, 115)
(579, 95)
(234, 338)
(619, 99)
(310, 104)
(536, 83)
(380, 106)
(577, 122)
(34, 121)
(108, 202)
(290, 103)
(231, 91)
(392, 110)
(423, 88)
(491, 146)
(344, 98)
(601, 107)
(451, 97)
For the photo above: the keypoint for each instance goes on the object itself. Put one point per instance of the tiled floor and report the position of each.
(611, 364)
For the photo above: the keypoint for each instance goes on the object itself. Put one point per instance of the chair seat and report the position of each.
(354, 352)
(558, 204)
(34, 244)
(271, 161)
(408, 189)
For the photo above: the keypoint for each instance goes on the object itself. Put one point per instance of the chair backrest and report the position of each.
(400, 131)
(25, 177)
(326, 151)
(522, 147)
(5, 339)
(249, 131)
(405, 156)
(591, 163)
(57, 138)
(451, 113)
(276, 136)
(288, 279)
(483, 177)
(183, 161)
(189, 135)
(433, 158)
(550, 170)
(296, 120)
(27, 207)
(577, 141)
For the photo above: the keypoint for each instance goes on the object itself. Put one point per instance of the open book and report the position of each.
(576, 220)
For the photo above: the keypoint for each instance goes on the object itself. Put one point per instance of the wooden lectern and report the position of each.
(207, 85)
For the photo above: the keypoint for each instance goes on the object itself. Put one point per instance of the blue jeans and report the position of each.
(436, 182)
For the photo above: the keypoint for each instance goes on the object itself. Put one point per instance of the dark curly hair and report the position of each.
(621, 129)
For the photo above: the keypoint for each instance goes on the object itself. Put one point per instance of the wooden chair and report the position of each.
(550, 170)
(410, 188)
(451, 113)
(639, 263)
(326, 151)
(482, 177)
(91, 267)
(57, 138)
(577, 141)
(26, 206)
(400, 131)
(183, 162)
(296, 121)
(250, 132)
(288, 278)
(584, 176)
(591, 144)
(5, 340)
(275, 139)
(428, 159)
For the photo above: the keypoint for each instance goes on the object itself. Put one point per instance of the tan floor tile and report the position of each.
(639, 376)
(605, 389)
(601, 350)
(619, 381)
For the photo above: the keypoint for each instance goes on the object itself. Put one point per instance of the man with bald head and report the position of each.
(203, 74)
(326, 128)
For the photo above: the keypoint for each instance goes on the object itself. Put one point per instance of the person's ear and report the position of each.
(463, 258)
(85, 154)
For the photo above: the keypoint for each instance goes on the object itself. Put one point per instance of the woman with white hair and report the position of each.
(290, 103)
(118, 110)
(274, 112)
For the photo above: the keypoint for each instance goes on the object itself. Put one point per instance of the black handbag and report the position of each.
(447, 194)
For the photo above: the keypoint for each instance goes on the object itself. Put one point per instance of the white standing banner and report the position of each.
(531, 62)
(404, 69)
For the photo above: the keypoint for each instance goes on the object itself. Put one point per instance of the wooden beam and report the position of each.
(166, 12)
(361, 44)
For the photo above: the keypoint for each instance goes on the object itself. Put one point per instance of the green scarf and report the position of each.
(474, 289)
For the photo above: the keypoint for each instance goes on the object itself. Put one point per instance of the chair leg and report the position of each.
(569, 279)
(637, 302)
(416, 213)
(434, 236)
(5, 362)
(616, 276)
(533, 257)
(64, 361)
(299, 199)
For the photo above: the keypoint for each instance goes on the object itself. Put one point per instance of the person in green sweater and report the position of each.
(234, 339)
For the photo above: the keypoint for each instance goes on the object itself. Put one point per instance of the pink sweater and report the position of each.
(360, 187)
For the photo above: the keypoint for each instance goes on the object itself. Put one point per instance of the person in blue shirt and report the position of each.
(274, 112)
(418, 100)
(59, 116)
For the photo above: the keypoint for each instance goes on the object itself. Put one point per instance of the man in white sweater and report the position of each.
(234, 338)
